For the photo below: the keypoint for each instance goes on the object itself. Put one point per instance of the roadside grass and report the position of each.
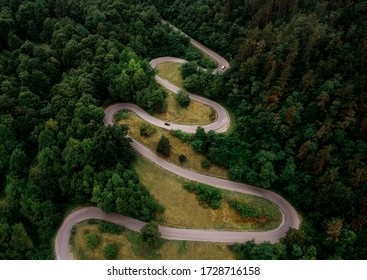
(171, 72)
(196, 113)
(130, 248)
(178, 147)
(183, 209)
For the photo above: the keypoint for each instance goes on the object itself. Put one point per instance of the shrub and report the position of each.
(182, 98)
(205, 163)
(207, 195)
(244, 209)
(150, 234)
(147, 130)
(110, 251)
(184, 137)
(122, 115)
(164, 147)
(182, 158)
(106, 227)
(91, 240)
(197, 146)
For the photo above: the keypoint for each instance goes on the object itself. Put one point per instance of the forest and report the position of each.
(297, 86)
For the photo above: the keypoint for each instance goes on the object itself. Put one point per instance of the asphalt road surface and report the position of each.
(290, 217)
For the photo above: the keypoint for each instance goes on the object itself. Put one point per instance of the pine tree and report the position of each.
(164, 147)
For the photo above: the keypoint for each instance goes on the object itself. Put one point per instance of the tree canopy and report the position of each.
(296, 86)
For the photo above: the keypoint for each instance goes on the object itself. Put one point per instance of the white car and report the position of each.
(223, 67)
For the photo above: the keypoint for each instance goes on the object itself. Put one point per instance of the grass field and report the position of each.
(196, 113)
(178, 147)
(130, 248)
(183, 210)
(171, 72)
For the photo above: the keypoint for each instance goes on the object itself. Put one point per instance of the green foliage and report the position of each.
(147, 130)
(296, 87)
(153, 101)
(205, 164)
(197, 145)
(121, 192)
(122, 115)
(150, 234)
(106, 227)
(246, 210)
(189, 69)
(267, 175)
(263, 251)
(184, 137)
(298, 131)
(18, 163)
(182, 98)
(193, 54)
(61, 62)
(182, 158)
(164, 146)
(207, 195)
(110, 251)
(91, 240)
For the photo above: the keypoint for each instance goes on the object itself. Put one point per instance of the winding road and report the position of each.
(221, 124)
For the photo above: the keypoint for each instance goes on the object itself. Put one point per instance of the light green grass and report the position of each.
(178, 147)
(130, 248)
(171, 72)
(183, 210)
(196, 113)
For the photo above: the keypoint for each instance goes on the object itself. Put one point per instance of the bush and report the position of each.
(193, 54)
(245, 210)
(205, 163)
(184, 137)
(182, 158)
(91, 240)
(122, 115)
(147, 130)
(164, 147)
(150, 234)
(110, 251)
(207, 195)
(189, 69)
(197, 146)
(106, 227)
(182, 98)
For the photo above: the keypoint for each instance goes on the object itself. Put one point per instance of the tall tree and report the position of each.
(150, 234)
(164, 146)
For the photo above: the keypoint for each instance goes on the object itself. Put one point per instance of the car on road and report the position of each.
(223, 67)
(167, 124)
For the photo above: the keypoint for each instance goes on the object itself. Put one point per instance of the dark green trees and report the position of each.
(294, 94)
(60, 62)
(182, 98)
(150, 234)
(110, 251)
(164, 146)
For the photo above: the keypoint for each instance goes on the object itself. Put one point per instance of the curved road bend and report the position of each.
(289, 215)
(219, 59)
(221, 123)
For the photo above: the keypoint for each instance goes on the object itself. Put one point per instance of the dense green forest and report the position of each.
(297, 86)
(60, 62)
